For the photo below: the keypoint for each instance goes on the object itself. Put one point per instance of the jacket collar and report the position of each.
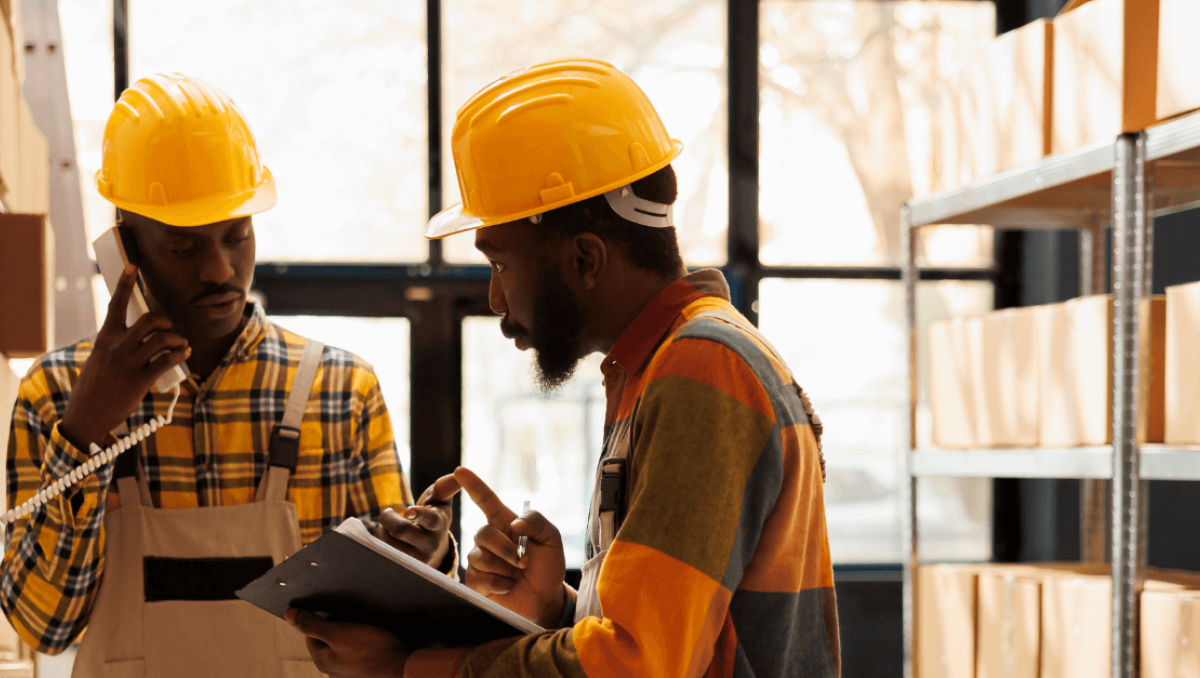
(637, 343)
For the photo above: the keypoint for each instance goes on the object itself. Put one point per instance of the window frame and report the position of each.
(435, 296)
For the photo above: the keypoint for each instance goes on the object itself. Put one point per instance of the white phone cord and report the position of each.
(99, 457)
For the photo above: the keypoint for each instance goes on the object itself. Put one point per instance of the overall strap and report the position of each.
(132, 487)
(284, 451)
(614, 476)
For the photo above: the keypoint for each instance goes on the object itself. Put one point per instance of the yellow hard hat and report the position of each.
(178, 150)
(548, 136)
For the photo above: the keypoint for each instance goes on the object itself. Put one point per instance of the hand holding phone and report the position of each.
(115, 250)
(127, 359)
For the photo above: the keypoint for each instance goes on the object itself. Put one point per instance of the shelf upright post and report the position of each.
(1093, 492)
(908, 488)
(1131, 276)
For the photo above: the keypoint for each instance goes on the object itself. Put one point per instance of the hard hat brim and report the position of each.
(454, 220)
(207, 211)
(451, 221)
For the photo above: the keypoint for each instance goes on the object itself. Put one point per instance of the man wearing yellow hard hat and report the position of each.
(707, 541)
(272, 439)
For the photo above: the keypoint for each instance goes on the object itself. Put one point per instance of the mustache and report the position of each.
(512, 330)
(211, 290)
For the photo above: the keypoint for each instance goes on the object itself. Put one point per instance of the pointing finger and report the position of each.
(441, 491)
(496, 512)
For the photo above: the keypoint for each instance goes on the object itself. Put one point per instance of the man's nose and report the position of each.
(216, 267)
(496, 298)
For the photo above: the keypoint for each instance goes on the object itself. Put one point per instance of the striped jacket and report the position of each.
(212, 454)
(721, 566)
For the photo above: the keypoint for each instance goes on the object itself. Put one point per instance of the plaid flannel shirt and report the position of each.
(212, 454)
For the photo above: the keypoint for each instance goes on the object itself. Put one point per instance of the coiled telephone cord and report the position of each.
(97, 459)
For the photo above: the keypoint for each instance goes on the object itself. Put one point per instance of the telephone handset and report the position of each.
(115, 249)
(112, 254)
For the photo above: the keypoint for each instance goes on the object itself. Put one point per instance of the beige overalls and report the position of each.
(612, 485)
(165, 607)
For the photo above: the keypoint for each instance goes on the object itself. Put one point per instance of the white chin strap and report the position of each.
(645, 212)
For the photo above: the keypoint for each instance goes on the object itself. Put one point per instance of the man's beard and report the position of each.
(554, 335)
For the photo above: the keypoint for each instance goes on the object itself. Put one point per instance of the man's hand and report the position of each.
(531, 586)
(345, 650)
(423, 531)
(124, 364)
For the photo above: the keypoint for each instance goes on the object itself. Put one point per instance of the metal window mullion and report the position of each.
(1131, 273)
(908, 488)
(744, 267)
(433, 98)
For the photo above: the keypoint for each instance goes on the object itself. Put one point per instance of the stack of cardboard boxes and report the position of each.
(1042, 376)
(26, 259)
(1049, 620)
(1099, 69)
(1038, 376)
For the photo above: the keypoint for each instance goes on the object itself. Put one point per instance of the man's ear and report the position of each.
(589, 258)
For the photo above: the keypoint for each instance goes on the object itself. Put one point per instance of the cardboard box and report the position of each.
(1075, 342)
(952, 385)
(1178, 54)
(1077, 619)
(1006, 397)
(1008, 638)
(1170, 634)
(1020, 72)
(1105, 71)
(26, 285)
(945, 620)
(1182, 397)
(947, 133)
(979, 142)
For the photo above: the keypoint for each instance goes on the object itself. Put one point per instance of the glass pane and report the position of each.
(676, 54)
(525, 445)
(88, 57)
(382, 342)
(848, 91)
(335, 93)
(854, 370)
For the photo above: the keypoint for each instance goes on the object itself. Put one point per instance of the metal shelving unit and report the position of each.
(1125, 183)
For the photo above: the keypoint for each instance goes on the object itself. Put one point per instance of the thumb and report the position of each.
(309, 624)
(538, 528)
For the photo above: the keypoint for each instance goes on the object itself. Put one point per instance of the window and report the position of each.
(677, 55)
(848, 91)
(526, 445)
(335, 94)
(382, 342)
(852, 365)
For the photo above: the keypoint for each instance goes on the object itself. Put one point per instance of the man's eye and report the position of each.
(182, 248)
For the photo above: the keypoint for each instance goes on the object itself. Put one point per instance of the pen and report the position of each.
(521, 542)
